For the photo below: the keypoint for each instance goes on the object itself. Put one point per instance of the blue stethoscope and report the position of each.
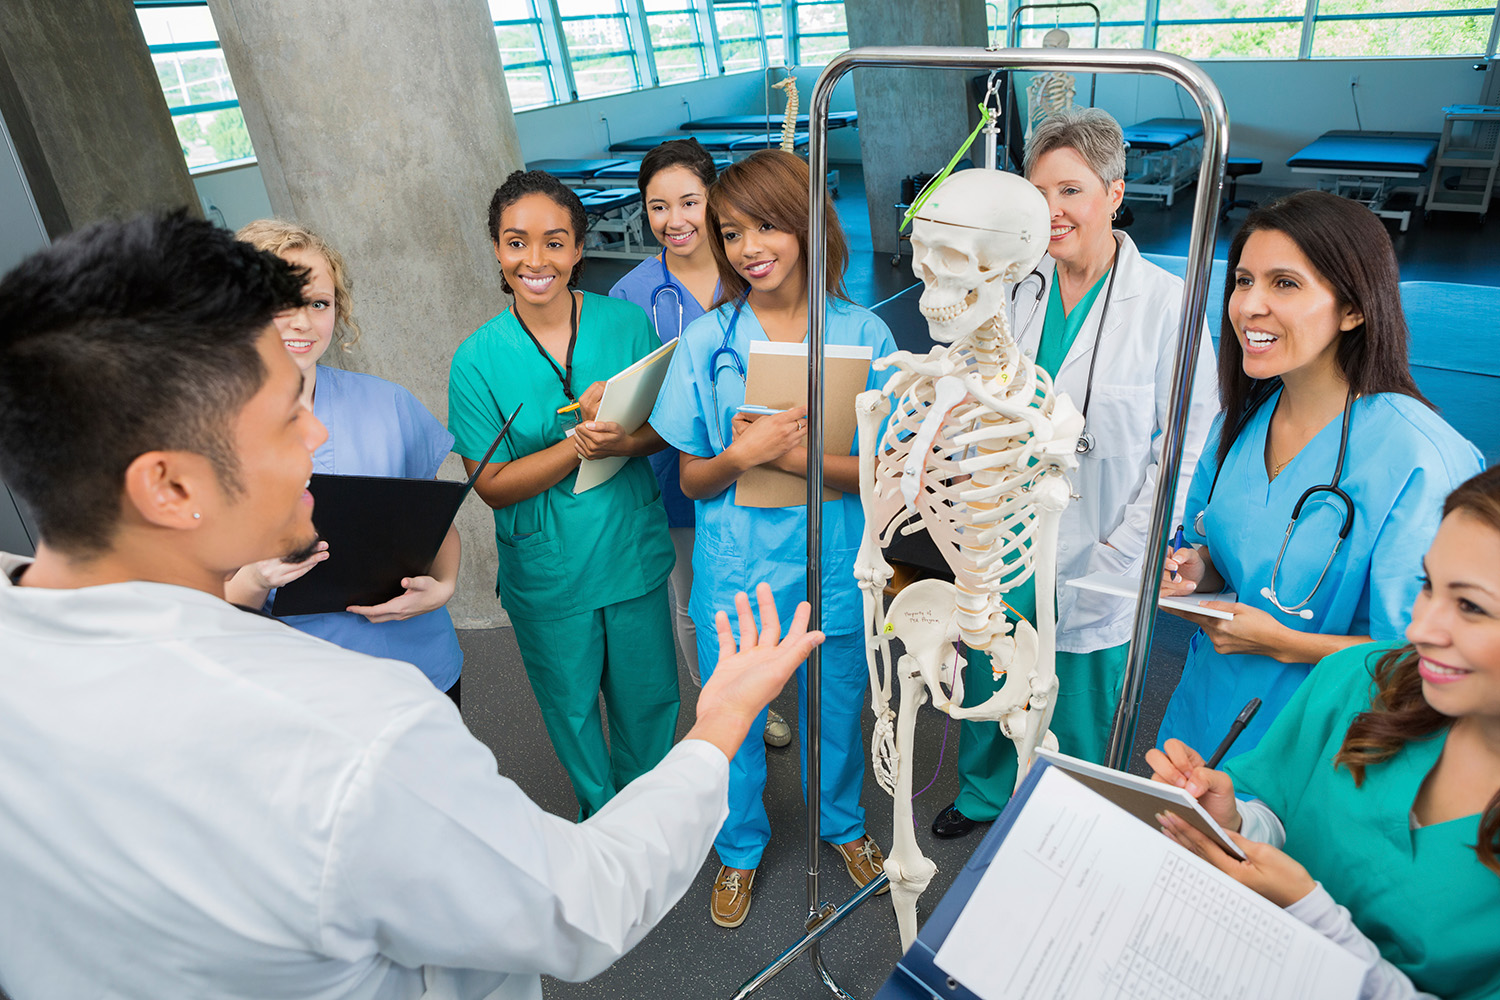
(1300, 609)
(716, 364)
(667, 286)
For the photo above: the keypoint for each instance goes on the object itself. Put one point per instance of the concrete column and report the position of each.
(910, 121)
(80, 99)
(386, 127)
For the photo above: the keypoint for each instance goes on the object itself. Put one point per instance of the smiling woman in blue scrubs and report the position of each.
(758, 211)
(375, 428)
(1316, 393)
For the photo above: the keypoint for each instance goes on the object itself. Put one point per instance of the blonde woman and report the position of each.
(375, 428)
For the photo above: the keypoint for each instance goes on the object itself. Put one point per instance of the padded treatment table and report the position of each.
(617, 212)
(1157, 134)
(714, 142)
(1362, 165)
(764, 123)
(630, 170)
(1162, 157)
(573, 170)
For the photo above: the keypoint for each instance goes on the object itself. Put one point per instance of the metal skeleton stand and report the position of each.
(821, 918)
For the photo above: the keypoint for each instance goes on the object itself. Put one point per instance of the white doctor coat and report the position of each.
(200, 802)
(1105, 529)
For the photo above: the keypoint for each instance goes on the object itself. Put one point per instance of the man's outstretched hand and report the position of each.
(747, 679)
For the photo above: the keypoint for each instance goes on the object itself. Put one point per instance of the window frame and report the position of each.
(547, 42)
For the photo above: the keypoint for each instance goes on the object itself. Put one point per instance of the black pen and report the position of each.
(1240, 722)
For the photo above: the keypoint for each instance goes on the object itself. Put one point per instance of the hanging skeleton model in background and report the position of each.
(788, 83)
(1052, 91)
(973, 407)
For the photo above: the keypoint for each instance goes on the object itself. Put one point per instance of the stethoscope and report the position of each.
(716, 364)
(1300, 609)
(667, 285)
(1086, 439)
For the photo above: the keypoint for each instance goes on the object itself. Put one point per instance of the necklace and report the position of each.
(563, 376)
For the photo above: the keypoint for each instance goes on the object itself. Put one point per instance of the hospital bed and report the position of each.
(764, 123)
(629, 172)
(616, 223)
(1162, 157)
(1365, 165)
(732, 143)
(574, 172)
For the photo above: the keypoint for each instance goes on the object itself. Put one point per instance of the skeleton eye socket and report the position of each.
(952, 259)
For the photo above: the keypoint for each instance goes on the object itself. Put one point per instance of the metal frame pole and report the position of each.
(1205, 217)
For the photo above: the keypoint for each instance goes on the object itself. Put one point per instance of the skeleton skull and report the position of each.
(979, 233)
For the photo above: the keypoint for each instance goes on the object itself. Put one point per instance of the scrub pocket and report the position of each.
(531, 582)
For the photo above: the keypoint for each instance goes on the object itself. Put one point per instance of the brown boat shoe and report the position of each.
(864, 860)
(730, 902)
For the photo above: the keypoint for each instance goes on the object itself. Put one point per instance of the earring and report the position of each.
(197, 516)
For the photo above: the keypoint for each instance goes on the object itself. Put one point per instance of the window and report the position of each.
(676, 40)
(596, 34)
(1122, 25)
(195, 79)
(1214, 29)
(740, 24)
(822, 31)
(523, 52)
(1375, 28)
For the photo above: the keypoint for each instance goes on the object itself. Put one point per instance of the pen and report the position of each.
(1178, 542)
(758, 410)
(573, 406)
(1240, 722)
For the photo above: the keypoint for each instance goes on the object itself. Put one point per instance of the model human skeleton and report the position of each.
(973, 407)
(788, 83)
(1050, 92)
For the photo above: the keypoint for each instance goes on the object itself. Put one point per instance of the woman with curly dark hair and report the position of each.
(582, 575)
(1382, 780)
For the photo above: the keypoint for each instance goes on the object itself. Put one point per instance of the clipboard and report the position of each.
(1128, 587)
(379, 529)
(776, 377)
(1064, 846)
(628, 400)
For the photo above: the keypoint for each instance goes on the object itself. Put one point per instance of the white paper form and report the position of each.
(1084, 901)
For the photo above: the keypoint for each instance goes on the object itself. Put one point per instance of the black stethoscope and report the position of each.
(1086, 439)
(1299, 609)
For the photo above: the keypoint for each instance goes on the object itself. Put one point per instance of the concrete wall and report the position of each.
(86, 115)
(386, 127)
(910, 120)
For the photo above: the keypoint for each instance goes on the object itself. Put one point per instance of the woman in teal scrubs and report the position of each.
(582, 575)
(1382, 780)
(1317, 393)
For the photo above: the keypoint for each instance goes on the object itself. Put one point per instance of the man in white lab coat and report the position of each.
(199, 801)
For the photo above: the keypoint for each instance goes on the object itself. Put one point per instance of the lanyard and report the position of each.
(565, 377)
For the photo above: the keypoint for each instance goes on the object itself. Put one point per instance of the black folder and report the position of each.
(379, 530)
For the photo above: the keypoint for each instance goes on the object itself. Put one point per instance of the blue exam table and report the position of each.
(1362, 165)
(764, 123)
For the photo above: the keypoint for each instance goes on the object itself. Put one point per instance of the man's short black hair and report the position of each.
(124, 338)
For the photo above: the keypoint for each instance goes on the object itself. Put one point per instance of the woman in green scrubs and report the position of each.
(1381, 779)
(582, 575)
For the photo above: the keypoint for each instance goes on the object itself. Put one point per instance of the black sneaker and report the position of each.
(951, 823)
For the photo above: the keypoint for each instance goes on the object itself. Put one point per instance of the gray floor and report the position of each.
(688, 955)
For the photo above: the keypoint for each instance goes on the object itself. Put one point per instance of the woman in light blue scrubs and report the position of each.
(758, 210)
(1316, 395)
(375, 428)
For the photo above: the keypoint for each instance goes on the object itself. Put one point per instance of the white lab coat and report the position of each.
(1116, 482)
(201, 802)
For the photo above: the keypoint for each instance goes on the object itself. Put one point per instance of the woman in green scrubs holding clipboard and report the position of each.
(582, 575)
(1381, 781)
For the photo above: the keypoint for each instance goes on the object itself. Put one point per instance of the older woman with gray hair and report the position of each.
(1103, 323)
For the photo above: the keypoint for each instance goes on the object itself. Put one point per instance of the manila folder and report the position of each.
(628, 400)
(778, 378)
